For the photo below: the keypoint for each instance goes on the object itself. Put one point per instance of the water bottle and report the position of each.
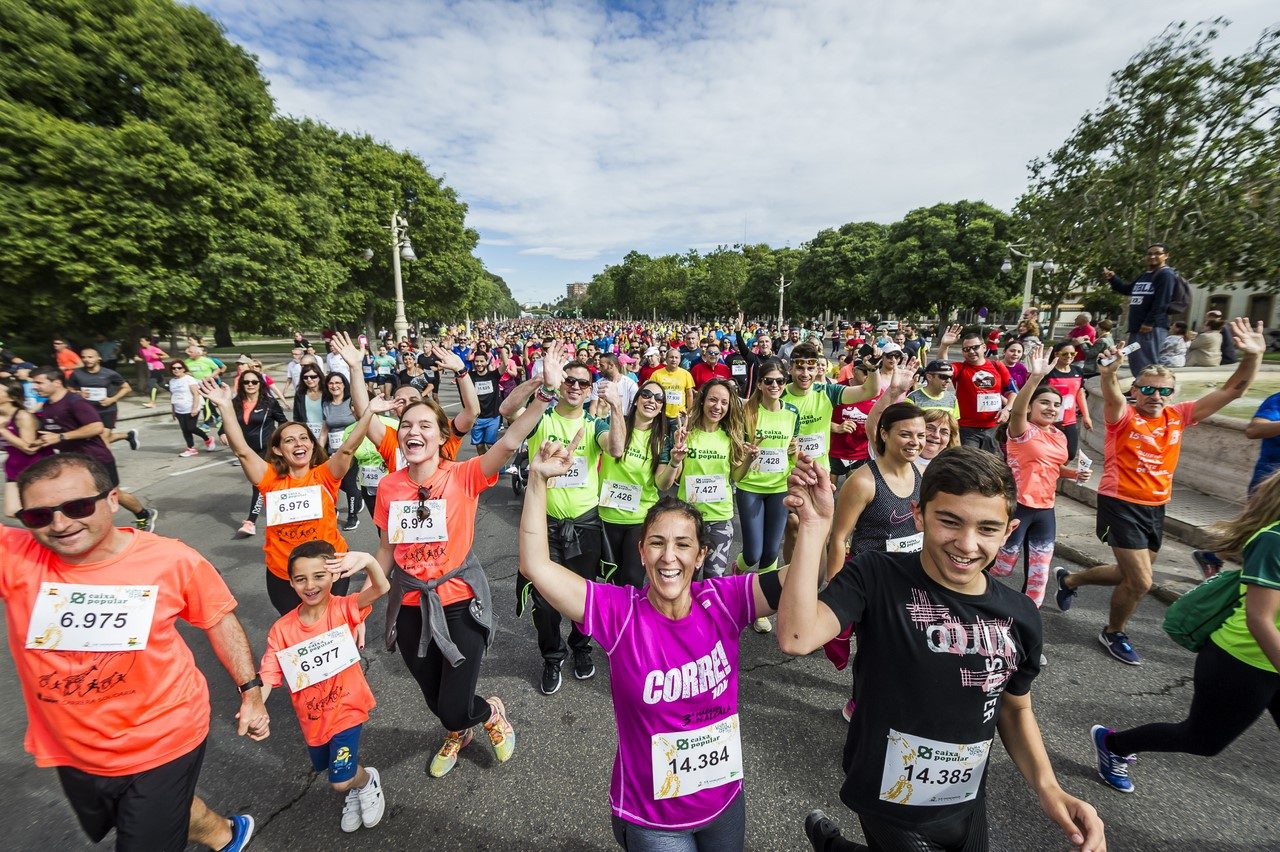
(1083, 465)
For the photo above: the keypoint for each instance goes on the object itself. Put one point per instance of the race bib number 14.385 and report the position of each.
(75, 617)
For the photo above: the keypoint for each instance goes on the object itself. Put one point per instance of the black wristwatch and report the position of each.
(250, 684)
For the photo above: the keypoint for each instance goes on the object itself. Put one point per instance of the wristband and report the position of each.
(547, 394)
(250, 684)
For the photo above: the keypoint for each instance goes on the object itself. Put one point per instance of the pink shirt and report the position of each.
(1035, 459)
(669, 677)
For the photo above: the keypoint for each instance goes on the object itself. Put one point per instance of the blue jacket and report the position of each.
(1148, 298)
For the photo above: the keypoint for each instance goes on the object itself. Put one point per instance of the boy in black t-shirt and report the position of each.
(945, 657)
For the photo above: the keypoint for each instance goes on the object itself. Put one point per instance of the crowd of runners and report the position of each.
(875, 485)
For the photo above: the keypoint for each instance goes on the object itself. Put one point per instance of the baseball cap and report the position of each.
(890, 348)
(939, 367)
(652, 350)
(624, 358)
(244, 359)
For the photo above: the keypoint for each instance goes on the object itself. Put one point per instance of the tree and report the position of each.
(946, 257)
(838, 268)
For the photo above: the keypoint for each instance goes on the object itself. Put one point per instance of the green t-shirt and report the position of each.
(577, 492)
(774, 431)
(201, 368)
(1261, 568)
(366, 454)
(629, 481)
(815, 409)
(706, 474)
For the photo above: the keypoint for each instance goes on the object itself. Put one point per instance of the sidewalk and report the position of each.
(133, 406)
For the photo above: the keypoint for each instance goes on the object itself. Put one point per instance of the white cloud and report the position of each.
(577, 133)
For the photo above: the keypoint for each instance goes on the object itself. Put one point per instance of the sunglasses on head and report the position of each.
(42, 516)
(1152, 390)
(577, 383)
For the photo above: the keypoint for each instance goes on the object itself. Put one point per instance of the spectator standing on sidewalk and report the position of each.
(1148, 301)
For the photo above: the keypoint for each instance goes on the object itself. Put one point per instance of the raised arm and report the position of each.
(523, 426)
(866, 390)
(350, 353)
(948, 338)
(340, 460)
(804, 622)
(1038, 369)
(559, 586)
(251, 463)
(1113, 401)
(668, 473)
(617, 421)
(1250, 344)
(353, 562)
(450, 360)
(903, 380)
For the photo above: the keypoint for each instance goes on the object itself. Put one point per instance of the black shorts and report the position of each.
(965, 832)
(108, 419)
(1129, 526)
(982, 439)
(839, 467)
(149, 810)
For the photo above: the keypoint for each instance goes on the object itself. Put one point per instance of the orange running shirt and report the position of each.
(459, 485)
(281, 539)
(1035, 460)
(391, 443)
(118, 712)
(1141, 454)
(331, 706)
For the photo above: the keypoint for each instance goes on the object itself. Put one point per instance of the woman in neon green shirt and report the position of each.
(1235, 674)
(709, 455)
(629, 485)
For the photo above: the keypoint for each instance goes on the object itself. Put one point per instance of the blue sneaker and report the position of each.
(1210, 563)
(1112, 768)
(1117, 645)
(1063, 596)
(241, 833)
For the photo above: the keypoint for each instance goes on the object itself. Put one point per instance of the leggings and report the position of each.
(1037, 528)
(255, 505)
(370, 499)
(624, 545)
(1073, 439)
(719, 543)
(725, 833)
(450, 691)
(764, 520)
(351, 488)
(285, 599)
(1229, 697)
(190, 429)
(966, 832)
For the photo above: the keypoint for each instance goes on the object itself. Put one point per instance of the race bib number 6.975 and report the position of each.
(76, 617)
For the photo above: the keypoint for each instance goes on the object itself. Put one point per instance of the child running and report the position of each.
(313, 650)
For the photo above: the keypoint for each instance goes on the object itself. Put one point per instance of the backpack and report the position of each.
(1180, 298)
(1193, 617)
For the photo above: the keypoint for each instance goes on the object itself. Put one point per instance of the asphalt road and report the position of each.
(552, 795)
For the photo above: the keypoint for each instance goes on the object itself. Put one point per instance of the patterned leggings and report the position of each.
(719, 543)
(1037, 528)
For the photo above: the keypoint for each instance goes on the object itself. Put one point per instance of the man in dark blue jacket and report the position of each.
(1148, 301)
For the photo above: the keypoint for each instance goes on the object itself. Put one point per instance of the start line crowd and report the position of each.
(876, 492)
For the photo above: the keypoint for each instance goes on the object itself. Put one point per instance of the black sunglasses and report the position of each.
(773, 381)
(1152, 390)
(248, 383)
(42, 516)
(577, 383)
(648, 394)
(424, 511)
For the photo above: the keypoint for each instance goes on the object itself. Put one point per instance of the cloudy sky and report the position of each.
(577, 131)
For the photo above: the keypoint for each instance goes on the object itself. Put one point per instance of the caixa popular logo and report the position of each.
(682, 744)
(77, 597)
(925, 753)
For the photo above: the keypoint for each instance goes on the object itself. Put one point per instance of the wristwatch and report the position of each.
(250, 684)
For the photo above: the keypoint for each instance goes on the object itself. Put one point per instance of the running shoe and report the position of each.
(372, 803)
(351, 523)
(1208, 561)
(762, 625)
(189, 452)
(847, 710)
(550, 677)
(823, 834)
(1112, 768)
(1044, 661)
(147, 524)
(584, 667)
(210, 444)
(132, 437)
(1117, 645)
(447, 757)
(247, 529)
(1064, 596)
(241, 833)
(500, 732)
(351, 811)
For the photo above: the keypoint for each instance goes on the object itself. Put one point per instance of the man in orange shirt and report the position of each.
(68, 360)
(113, 696)
(1141, 452)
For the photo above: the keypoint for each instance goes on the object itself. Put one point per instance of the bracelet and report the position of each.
(547, 394)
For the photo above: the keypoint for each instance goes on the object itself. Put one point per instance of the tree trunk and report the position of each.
(222, 334)
(368, 324)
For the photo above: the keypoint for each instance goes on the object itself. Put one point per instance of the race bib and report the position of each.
(1068, 401)
(335, 441)
(484, 388)
(989, 402)
(575, 477)
(814, 445)
(294, 504)
(919, 771)
(95, 394)
(316, 429)
(620, 495)
(905, 544)
(713, 488)
(404, 526)
(75, 617)
(384, 371)
(772, 460)
(318, 659)
(685, 762)
(738, 369)
(675, 397)
(369, 476)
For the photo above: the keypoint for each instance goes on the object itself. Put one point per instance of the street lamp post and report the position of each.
(1048, 266)
(400, 248)
(782, 286)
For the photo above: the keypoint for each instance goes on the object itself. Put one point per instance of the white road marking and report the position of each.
(201, 467)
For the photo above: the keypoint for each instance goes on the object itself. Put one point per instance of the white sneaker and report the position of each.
(762, 625)
(372, 802)
(351, 811)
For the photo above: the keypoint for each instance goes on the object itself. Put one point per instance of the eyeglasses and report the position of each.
(177, 369)
(42, 516)
(577, 383)
(804, 362)
(424, 511)
(1152, 390)
(977, 347)
(773, 381)
(714, 353)
(648, 394)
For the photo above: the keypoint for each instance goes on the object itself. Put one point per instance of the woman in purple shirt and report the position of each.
(673, 657)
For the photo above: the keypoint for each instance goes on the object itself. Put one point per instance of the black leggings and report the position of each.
(286, 600)
(624, 545)
(450, 691)
(189, 429)
(255, 504)
(964, 833)
(370, 499)
(1229, 697)
(351, 488)
(1072, 433)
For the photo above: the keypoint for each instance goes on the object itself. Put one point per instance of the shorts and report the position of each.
(485, 431)
(108, 418)
(149, 810)
(839, 467)
(1129, 526)
(341, 755)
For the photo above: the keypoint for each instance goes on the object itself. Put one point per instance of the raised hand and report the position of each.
(553, 361)
(554, 458)
(809, 492)
(680, 441)
(1249, 341)
(346, 564)
(1113, 356)
(1040, 363)
(216, 393)
(1107, 274)
(346, 349)
(609, 391)
(904, 379)
(951, 335)
(381, 404)
(449, 360)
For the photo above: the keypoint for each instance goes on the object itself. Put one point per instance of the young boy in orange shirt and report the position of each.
(313, 650)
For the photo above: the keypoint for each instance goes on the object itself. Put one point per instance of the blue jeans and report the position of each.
(726, 833)
(763, 518)
(1148, 352)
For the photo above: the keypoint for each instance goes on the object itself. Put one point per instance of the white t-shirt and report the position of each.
(293, 371)
(182, 394)
(627, 390)
(336, 365)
